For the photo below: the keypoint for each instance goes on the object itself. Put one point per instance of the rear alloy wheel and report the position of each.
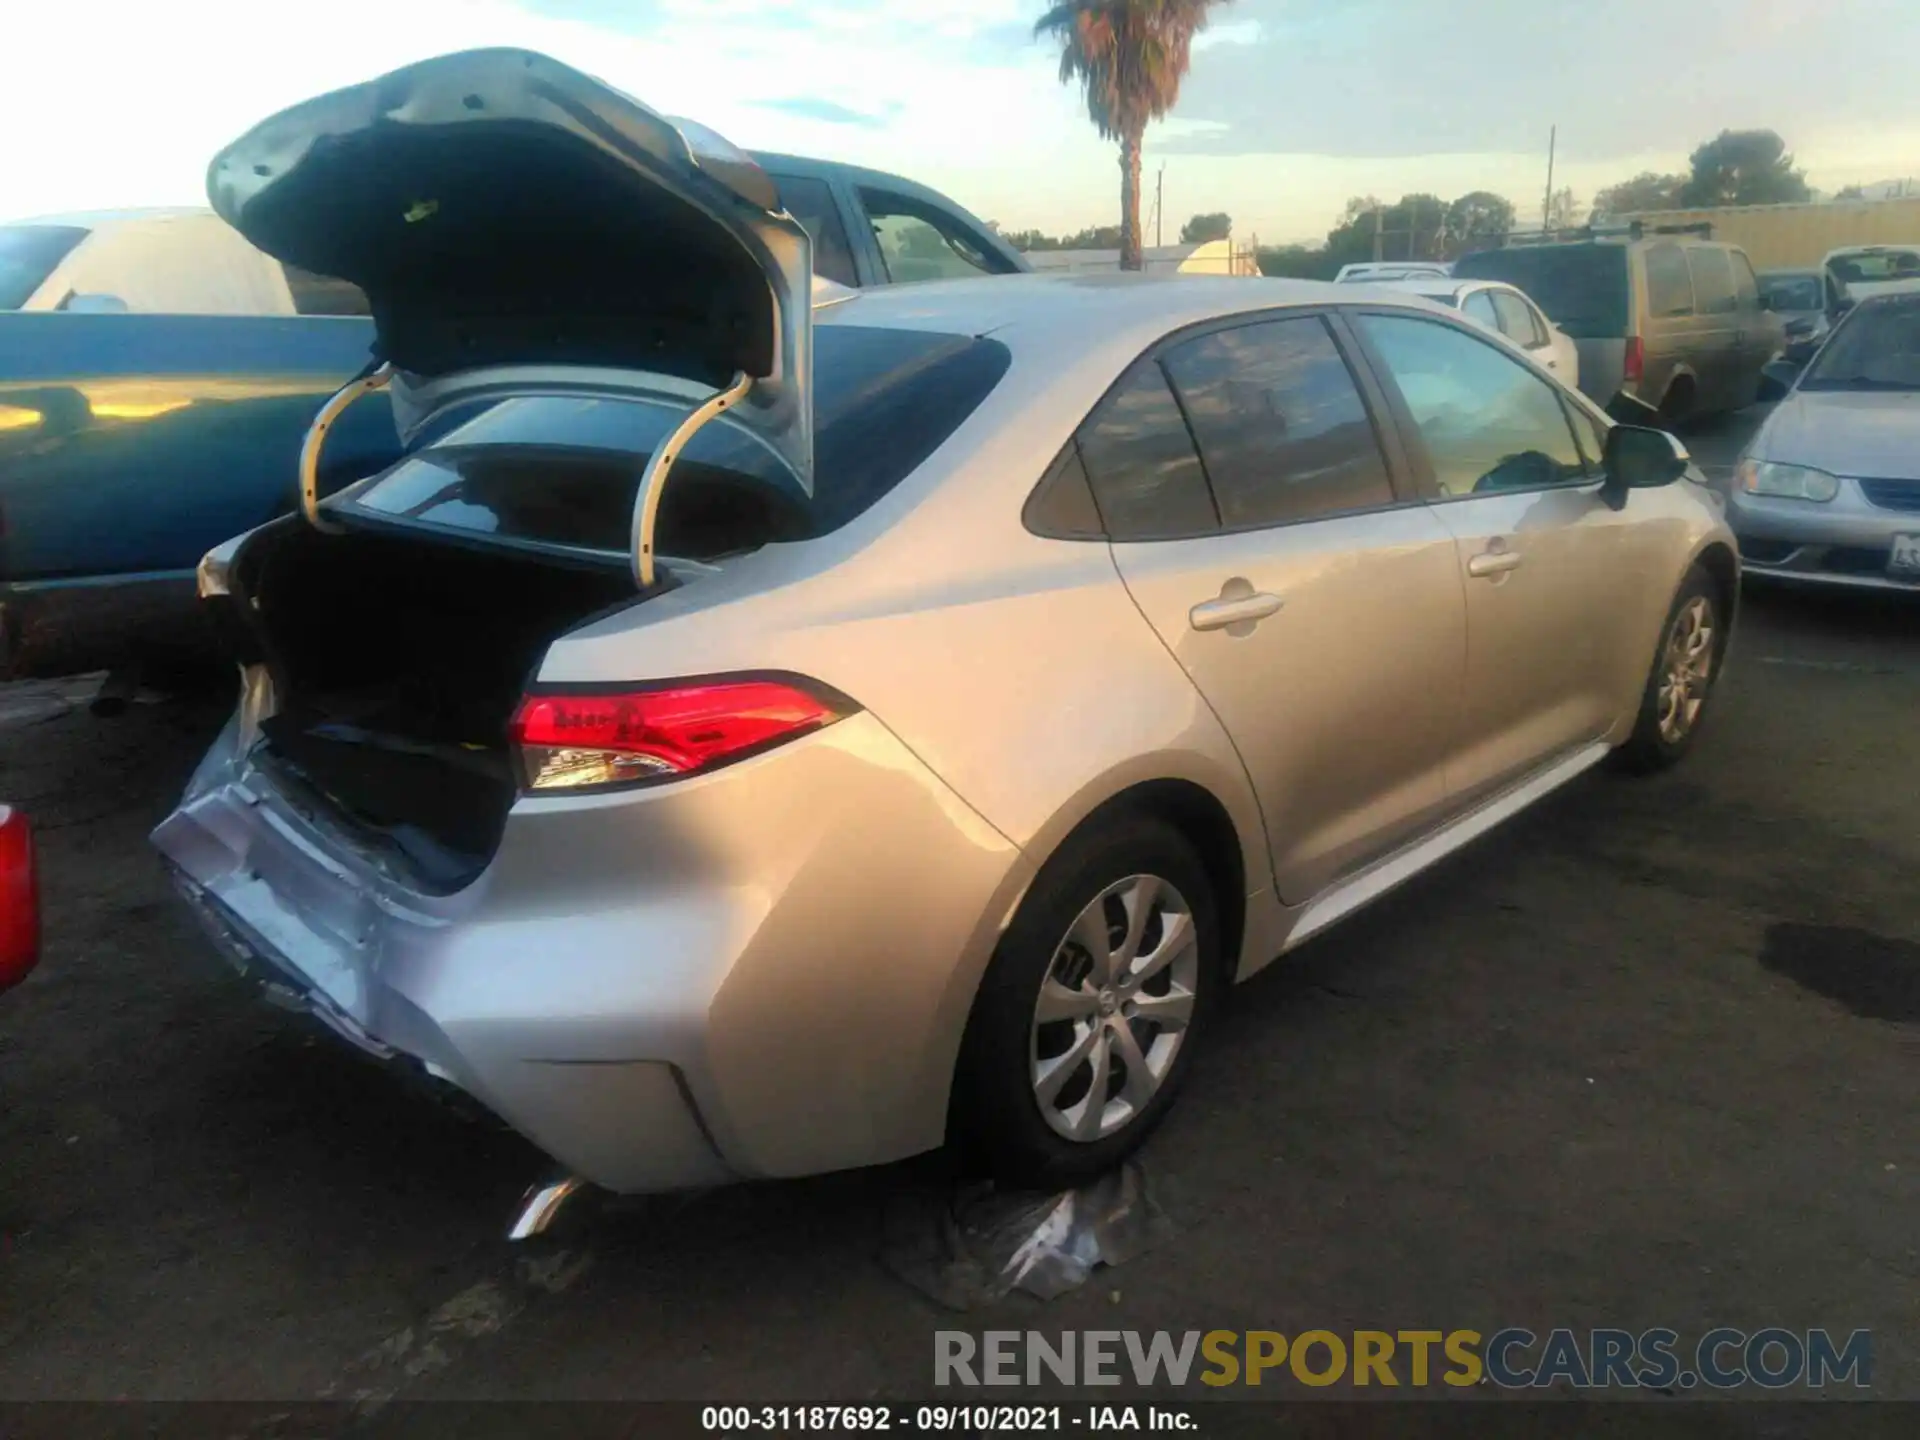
(1086, 1022)
(1114, 1008)
(1684, 669)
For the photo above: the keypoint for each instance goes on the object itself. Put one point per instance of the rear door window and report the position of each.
(811, 202)
(28, 255)
(1712, 280)
(1141, 459)
(1669, 282)
(920, 242)
(1517, 320)
(1582, 287)
(1281, 427)
(1479, 309)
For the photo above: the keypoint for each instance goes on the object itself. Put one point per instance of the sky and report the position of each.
(1292, 106)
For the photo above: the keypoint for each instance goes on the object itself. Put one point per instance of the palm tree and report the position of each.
(1129, 56)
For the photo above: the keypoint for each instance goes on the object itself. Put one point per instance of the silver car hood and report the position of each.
(1874, 434)
(517, 224)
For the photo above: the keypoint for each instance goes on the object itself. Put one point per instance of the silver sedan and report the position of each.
(750, 738)
(1828, 490)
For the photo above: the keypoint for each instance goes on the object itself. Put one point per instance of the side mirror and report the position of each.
(1638, 458)
(1766, 302)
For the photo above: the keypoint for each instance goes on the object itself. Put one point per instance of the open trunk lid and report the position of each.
(519, 227)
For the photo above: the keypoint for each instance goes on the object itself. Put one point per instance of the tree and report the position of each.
(1477, 217)
(1850, 192)
(1645, 191)
(1298, 262)
(1414, 227)
(1202, 228)
(1564, 210)
(1128, 57)
(1743, 167)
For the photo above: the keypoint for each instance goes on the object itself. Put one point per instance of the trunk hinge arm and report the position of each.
(365, 383)
(653, 479)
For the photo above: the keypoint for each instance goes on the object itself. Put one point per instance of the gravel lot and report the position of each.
(1646, 1057)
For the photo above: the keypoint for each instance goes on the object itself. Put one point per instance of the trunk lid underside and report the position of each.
(500, 209)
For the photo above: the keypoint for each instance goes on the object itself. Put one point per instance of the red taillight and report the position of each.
(19, 899)
(1636, 360)
(567, 741)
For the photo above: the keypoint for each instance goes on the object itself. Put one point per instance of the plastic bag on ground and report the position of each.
(970, 1246)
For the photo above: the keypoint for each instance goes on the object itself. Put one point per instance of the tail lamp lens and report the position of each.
(19, 899)
(571, 742)
(1636, 360)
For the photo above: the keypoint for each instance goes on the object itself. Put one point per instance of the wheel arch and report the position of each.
(1717, 558)
(1681, 375)
(1200, 816)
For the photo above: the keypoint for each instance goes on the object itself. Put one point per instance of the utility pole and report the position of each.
(1546, 206)
(1159, 193)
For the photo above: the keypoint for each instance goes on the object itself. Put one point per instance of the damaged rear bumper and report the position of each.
(627, 1125)
(663, 988)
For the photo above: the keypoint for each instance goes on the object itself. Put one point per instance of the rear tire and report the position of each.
(1685, 666)
(1107, 976)
(1677, 406)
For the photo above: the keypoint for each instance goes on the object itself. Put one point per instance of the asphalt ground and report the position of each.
(1645, 1057)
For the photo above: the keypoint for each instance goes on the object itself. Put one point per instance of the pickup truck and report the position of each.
(158, 374)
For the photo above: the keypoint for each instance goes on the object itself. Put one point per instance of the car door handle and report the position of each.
(1493, 562)
(1233, 610)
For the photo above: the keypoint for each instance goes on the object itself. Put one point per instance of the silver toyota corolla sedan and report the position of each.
(1828, 489)
(750, 739)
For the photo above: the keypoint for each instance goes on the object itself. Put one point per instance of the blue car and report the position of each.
(158, 374)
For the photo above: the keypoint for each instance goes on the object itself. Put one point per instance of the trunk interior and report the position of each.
(397, 665)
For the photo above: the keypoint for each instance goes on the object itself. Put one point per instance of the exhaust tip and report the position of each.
(541, 1205)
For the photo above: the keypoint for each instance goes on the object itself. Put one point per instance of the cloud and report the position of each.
(1392, 77)
(1234, 32)
(824, 111)
(1290, 107)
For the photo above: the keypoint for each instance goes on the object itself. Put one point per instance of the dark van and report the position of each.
(1671, 322)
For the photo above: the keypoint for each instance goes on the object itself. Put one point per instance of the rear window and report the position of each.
(566, 472)
(323, 294)
(1792, 292)
(1583, 288)
(28, 254)
(1873, 267)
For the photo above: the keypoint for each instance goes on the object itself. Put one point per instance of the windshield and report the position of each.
(1871, 268)
(1877, 347)
(28, 254)
(1583, 288)
(1792, 292)
(548, 471)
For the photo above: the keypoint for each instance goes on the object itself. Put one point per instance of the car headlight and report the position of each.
(1789, 482)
